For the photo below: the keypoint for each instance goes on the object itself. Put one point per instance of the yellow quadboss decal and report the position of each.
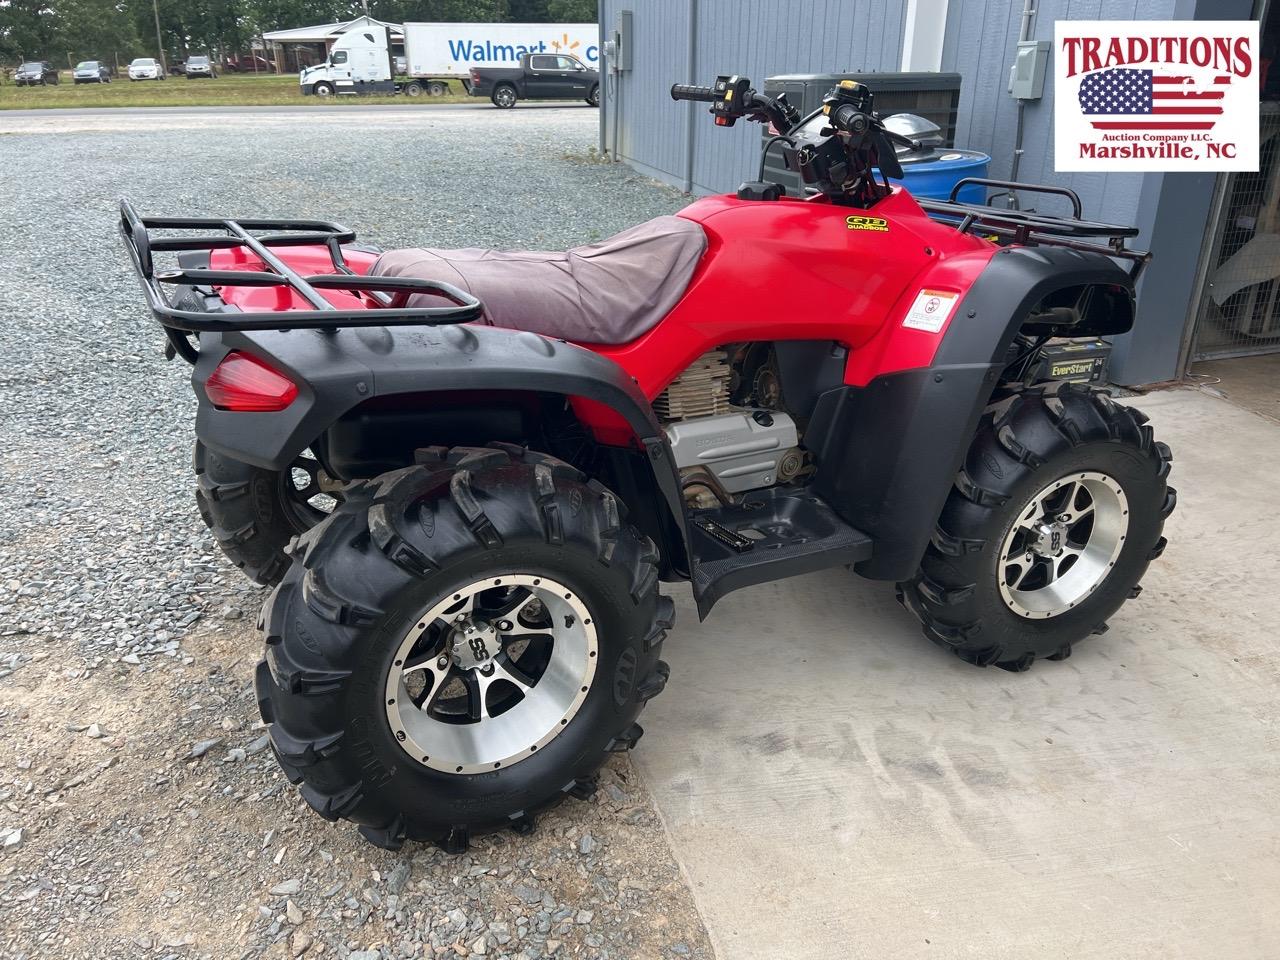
(876, 224)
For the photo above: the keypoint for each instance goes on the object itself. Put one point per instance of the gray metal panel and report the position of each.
(650, 131)
(981, 38)
(1173, 211)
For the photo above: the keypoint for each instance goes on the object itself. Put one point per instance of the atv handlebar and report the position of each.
(844, 164)
(732, 99)
(684, 91)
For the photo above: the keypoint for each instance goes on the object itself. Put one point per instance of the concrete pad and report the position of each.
(835, 786)
(1249, 382)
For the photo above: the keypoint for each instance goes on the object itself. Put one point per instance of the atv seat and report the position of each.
(608, 292)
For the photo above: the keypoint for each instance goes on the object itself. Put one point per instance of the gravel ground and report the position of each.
(140, 815)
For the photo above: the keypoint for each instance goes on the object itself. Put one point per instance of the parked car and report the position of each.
(91, 71)
(201, 67)
(146, 68)
(540, 76)
(36, 71)
(177, 67)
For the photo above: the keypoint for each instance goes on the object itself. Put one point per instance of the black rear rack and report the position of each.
(391, 293)
(1038, 229)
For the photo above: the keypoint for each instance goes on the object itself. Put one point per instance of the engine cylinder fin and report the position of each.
(702, 390)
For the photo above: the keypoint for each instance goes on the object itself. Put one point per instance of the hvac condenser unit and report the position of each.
(934, 96)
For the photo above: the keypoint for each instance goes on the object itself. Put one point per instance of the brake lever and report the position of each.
(900, 139)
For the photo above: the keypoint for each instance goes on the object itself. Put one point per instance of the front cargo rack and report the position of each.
(390, 293)
(1038, 229)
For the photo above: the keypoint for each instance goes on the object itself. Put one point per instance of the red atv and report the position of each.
(466, 472)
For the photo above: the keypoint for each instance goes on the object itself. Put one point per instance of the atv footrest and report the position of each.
(791, 532)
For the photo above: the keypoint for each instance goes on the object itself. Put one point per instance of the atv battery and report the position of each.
(1082, 360)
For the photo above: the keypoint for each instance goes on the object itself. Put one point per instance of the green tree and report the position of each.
(573, 11)
(433, 11)
(95, 30)
(28, 30)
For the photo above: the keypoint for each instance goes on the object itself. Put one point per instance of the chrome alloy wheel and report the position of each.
(491, 674)
(505, 96)
(1063, 544)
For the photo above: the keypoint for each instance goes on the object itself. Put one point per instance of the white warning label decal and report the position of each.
(931, 310)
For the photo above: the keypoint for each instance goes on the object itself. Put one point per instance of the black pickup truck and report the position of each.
(540, 76)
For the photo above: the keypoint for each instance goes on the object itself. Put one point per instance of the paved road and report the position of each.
(309, 109)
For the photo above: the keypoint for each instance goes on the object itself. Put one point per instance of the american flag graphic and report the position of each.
(1146, 100)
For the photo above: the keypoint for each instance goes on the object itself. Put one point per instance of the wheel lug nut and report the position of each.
(487, 669)
(442, 662)
(504, 625)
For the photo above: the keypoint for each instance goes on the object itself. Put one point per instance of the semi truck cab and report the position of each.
(359, 62)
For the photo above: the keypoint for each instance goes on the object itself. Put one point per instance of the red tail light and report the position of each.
(247, 385)
(475, 75)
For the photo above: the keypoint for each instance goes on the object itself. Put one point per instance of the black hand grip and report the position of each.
(681, 91)
(849, 119)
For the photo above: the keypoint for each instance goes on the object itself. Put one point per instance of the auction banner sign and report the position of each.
(1152, 95)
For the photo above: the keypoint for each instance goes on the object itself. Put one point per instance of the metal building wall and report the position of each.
(730, 36)
(981, 38)
(651, 133)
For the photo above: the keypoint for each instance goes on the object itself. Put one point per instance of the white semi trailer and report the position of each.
(362, 60)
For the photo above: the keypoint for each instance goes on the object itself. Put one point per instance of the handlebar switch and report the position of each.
(733, 99)
(850, 92)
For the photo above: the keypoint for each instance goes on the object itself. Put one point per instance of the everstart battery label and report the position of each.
(931, 310)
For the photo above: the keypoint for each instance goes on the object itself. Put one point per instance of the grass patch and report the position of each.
(233, 90)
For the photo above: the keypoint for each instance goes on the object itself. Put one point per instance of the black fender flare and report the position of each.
(337, 370)
(1016, 279)
(889, 452)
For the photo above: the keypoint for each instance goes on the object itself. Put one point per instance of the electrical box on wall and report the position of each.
(622, 42)
(1030, 64)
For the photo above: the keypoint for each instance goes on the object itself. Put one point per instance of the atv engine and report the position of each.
(726, 427)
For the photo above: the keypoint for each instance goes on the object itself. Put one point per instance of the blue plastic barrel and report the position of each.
(934, 177)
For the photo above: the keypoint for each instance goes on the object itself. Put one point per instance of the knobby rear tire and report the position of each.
(244, 507)
(402, 542)
(1022, 444)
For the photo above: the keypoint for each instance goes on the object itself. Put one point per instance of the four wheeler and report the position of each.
(466, 473)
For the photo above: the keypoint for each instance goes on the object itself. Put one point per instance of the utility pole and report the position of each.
(155, 8)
